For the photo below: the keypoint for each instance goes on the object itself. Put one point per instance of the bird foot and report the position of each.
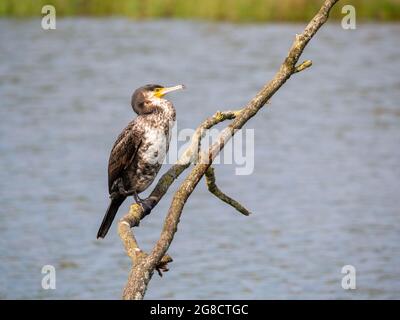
(146, 205)
(119, 189)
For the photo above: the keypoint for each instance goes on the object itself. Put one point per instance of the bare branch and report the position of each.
(213, 188)
(143, 268)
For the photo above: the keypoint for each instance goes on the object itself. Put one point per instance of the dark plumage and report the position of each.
(140, 149)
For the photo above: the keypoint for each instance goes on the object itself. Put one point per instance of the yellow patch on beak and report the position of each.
(160, 92)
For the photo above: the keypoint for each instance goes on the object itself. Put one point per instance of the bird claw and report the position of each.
(147, 207)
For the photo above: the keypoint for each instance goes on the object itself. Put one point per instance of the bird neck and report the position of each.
(165, 108)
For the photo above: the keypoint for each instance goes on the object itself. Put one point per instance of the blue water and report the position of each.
(325, 188)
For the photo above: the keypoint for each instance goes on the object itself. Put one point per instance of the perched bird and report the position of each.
(140, 149)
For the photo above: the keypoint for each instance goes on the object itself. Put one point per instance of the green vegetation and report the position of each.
(224, 10)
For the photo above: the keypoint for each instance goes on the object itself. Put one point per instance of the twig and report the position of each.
(213, 188)
(304, 65)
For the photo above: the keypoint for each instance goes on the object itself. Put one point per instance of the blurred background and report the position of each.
(325, 188)
(219, 10)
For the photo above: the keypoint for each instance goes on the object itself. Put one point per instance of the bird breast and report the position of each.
(151, 154)
(155, 146)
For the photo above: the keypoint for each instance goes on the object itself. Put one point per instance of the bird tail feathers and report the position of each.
(109, 216)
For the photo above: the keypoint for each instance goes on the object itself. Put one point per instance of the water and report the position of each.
(325, 187)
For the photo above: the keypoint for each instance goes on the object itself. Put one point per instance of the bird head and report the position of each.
(145, 99)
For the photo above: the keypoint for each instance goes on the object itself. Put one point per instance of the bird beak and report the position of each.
(164, 91)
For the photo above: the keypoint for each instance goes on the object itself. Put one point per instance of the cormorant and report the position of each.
(140, 149)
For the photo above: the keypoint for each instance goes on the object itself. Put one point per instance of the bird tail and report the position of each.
(109, 216)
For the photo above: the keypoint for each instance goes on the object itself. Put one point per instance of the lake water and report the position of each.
(325, 191)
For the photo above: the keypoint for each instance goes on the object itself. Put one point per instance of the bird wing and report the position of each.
(124, 151)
